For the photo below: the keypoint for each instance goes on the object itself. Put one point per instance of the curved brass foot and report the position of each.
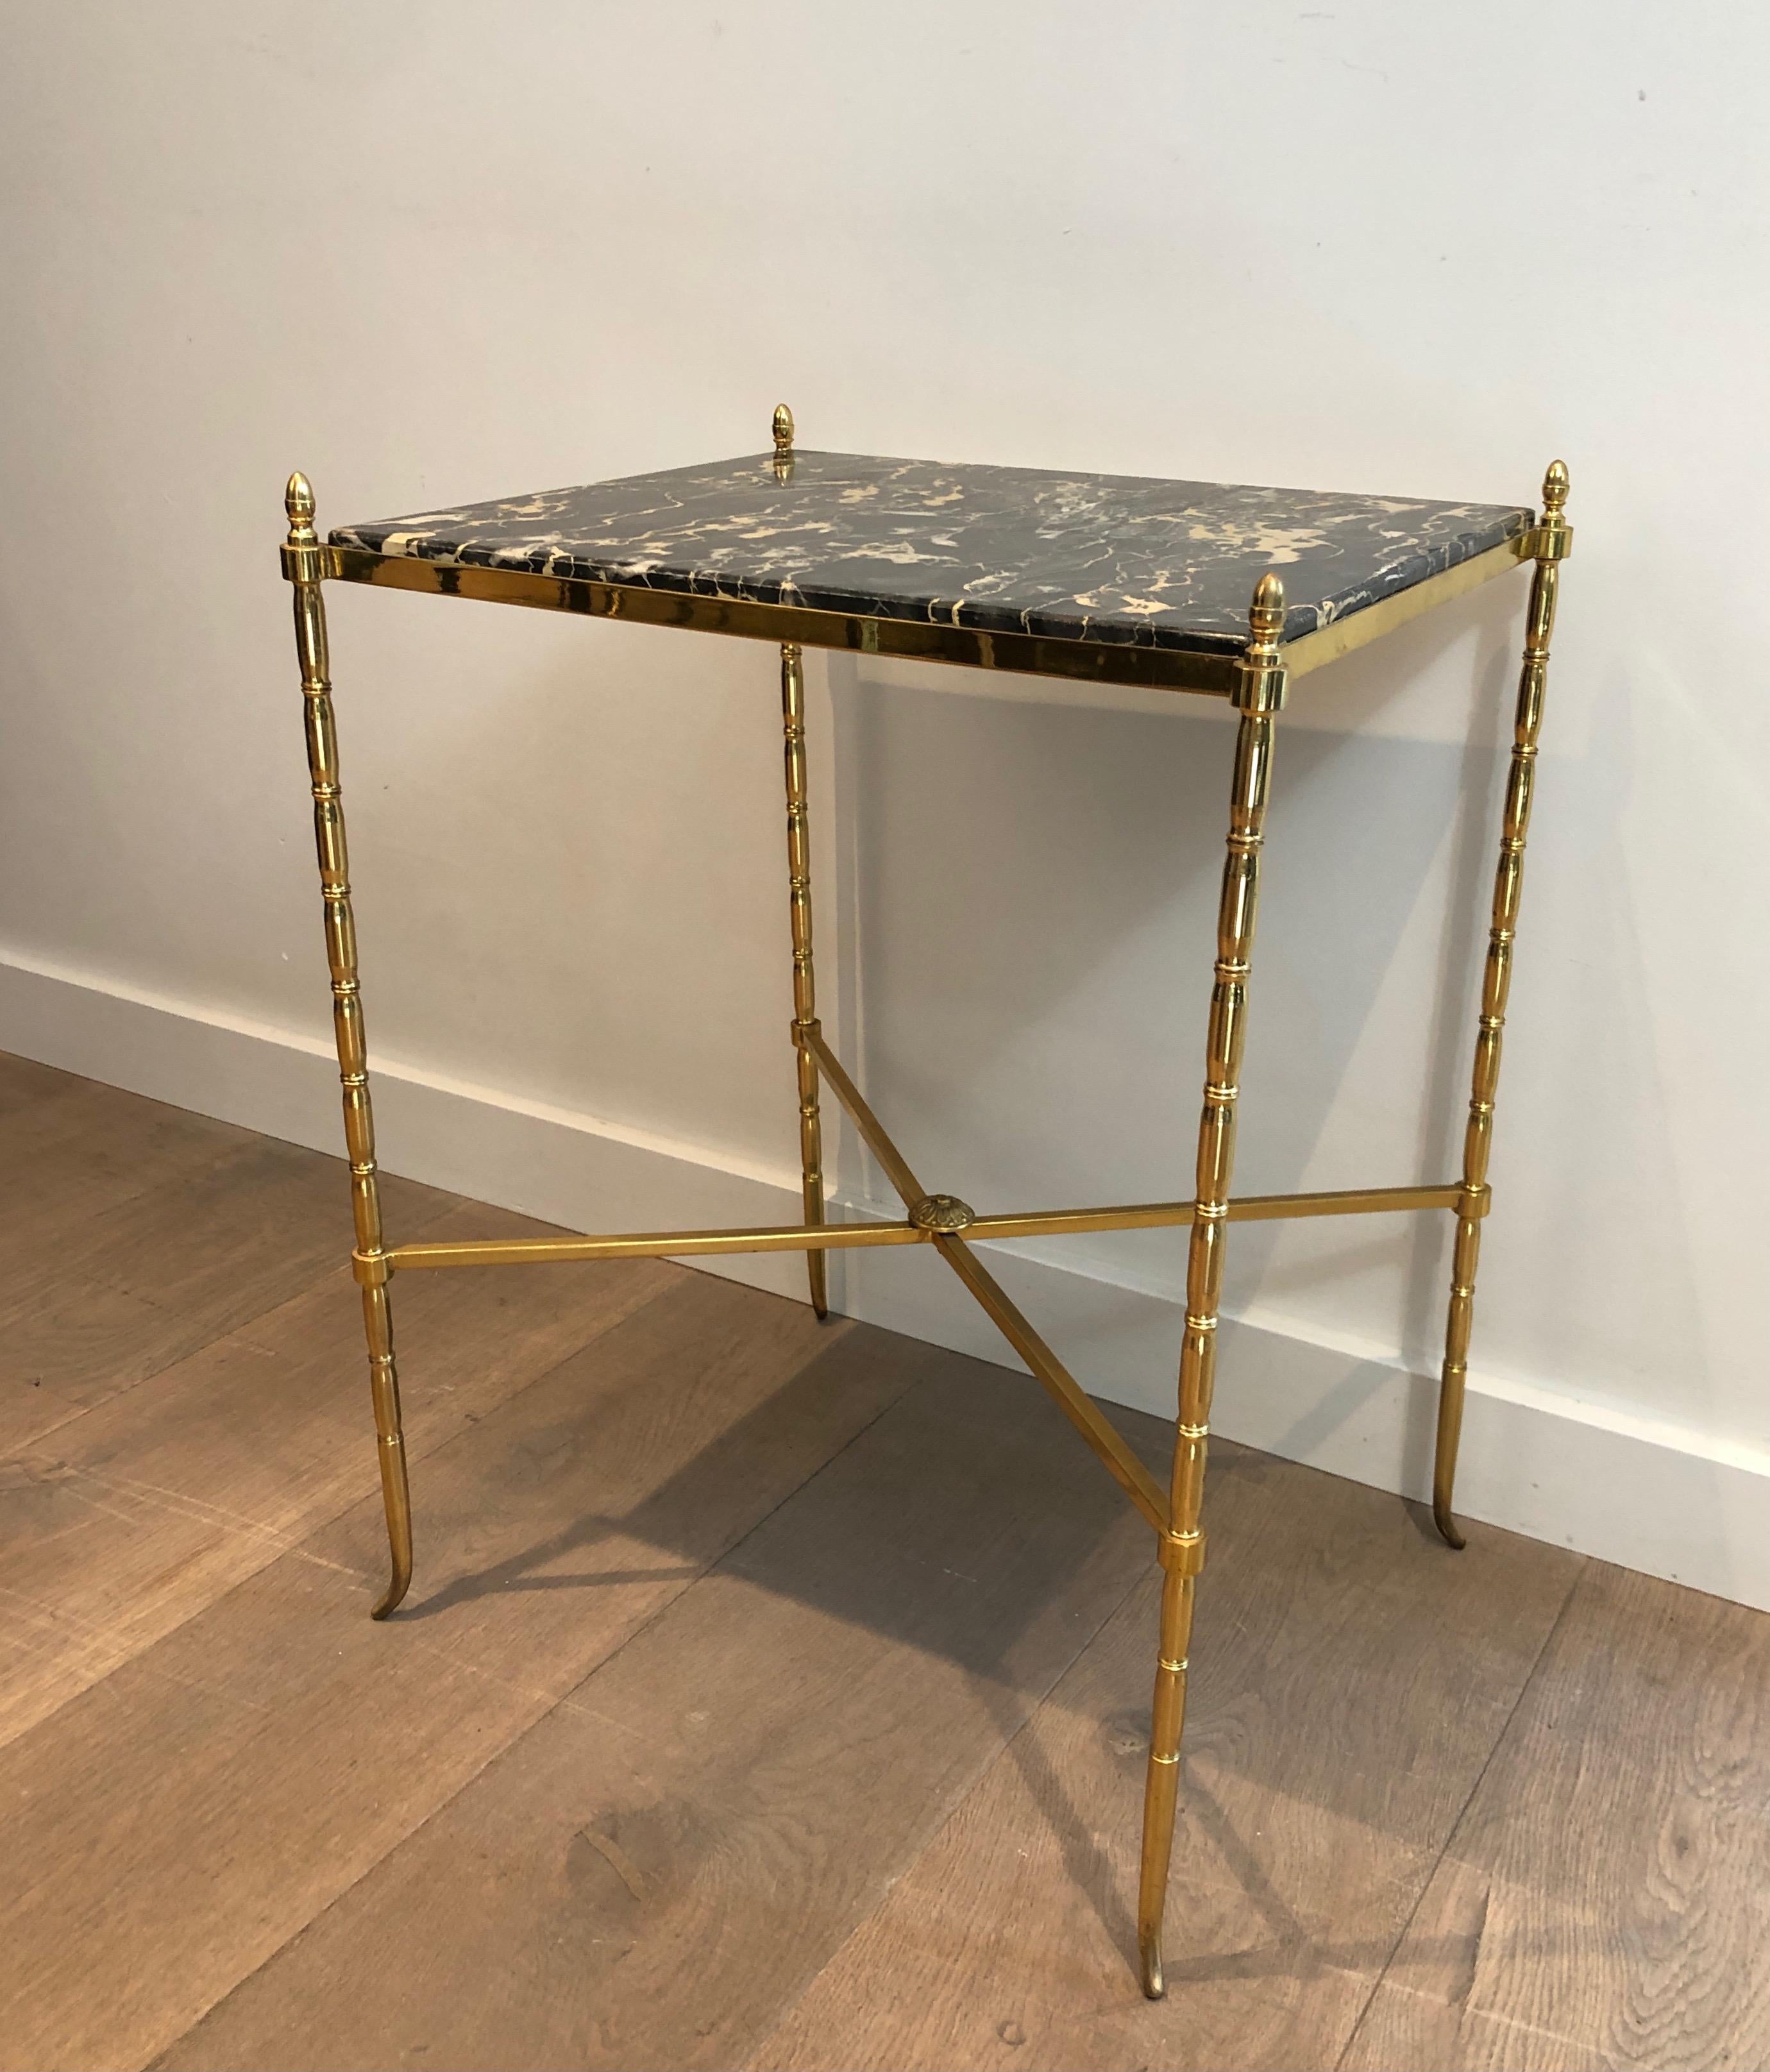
(1449, 1531)
(1450, 1427)
(815, 1270)
(395, 1497)
(399, 1583)
(1162, 1782)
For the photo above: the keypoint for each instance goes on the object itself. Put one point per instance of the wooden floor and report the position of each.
(770, 1695)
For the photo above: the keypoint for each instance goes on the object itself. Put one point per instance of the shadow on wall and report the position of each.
(1025, 908)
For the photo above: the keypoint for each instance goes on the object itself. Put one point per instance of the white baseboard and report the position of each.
(1665, 1499)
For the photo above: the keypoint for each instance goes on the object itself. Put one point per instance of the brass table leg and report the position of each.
(302, 559)
(1554, 537)
(1259, 693)
(804, 1001)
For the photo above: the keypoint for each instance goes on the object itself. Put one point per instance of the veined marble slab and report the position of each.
(1111, 558)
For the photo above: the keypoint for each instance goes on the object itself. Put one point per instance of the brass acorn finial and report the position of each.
(782, 429)
(1554, 488)
(1260, 675)
(1266, 616)
(298, 500)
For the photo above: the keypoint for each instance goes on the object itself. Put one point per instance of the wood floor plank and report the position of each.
(67, 1344)
(223, 1241)
(1608, 1883)
(1349, 1680)
(119, 1524)
(182, 1820)
(663, 1863)
(94, 1308)
(77, 1147)
(69, 1336)
(25, 1083)
(1404, 2029)
(81, 1149)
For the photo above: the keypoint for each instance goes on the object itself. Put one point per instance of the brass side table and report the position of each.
(1097, 579)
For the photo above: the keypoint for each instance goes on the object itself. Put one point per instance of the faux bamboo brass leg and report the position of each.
(804, 1005)
(1259, 690)
(302, 565)
(1554, 538)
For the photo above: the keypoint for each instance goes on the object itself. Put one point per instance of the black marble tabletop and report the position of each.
(1096, 557)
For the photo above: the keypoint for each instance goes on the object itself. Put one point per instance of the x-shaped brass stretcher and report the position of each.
(942, 1220)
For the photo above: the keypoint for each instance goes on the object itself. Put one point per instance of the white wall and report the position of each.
(461, 251)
